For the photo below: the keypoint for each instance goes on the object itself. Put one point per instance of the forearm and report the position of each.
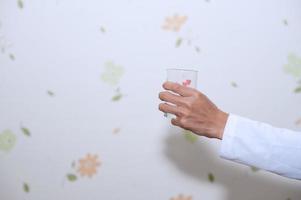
(263, 146)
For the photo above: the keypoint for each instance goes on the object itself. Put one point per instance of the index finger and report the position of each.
(179, 89)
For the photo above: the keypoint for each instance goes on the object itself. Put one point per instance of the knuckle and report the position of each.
(180, 113)
(201, 96)
(176, 86)
(183, 121)
(197, 95)
(180, 101)
(183, 112)
(187, 112)
(188, 104)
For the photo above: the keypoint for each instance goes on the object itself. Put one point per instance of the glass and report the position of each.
(184, 77)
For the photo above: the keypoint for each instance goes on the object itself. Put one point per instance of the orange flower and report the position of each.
(182, 197)
(88, 165)
(174, 23)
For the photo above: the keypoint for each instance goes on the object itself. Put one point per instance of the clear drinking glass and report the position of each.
(186, 77)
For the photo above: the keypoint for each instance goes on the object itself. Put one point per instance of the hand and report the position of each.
(193, 110)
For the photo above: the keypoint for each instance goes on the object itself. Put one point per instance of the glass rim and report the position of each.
(179, 69)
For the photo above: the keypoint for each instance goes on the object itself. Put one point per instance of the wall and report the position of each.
(79, 82)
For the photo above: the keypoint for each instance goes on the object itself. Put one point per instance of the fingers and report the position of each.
(164, 107)
(169, 97)
(179, 89)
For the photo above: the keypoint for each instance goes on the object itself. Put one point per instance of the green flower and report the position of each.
(112, 73)
(7, 140)
(293, 67)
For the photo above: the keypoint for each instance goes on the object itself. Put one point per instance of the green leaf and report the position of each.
(20, 4)
(102, 29)
(233, 84)
(298, 89)
(190, 137)
(50, 93)
(26, 188)
(12, 57)
(285, 22)
(117, 97)
(73, 164)
(254, 169)
(211, 177)
(178, 42)
(71, 177)
(26, 131)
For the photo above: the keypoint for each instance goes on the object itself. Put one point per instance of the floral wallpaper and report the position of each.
(78, 96)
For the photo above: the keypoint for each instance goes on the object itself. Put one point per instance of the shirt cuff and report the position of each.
(226, 150)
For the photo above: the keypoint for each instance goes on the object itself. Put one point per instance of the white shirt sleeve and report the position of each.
(261, 145)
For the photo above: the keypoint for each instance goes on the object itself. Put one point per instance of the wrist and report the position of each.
(221, 120)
